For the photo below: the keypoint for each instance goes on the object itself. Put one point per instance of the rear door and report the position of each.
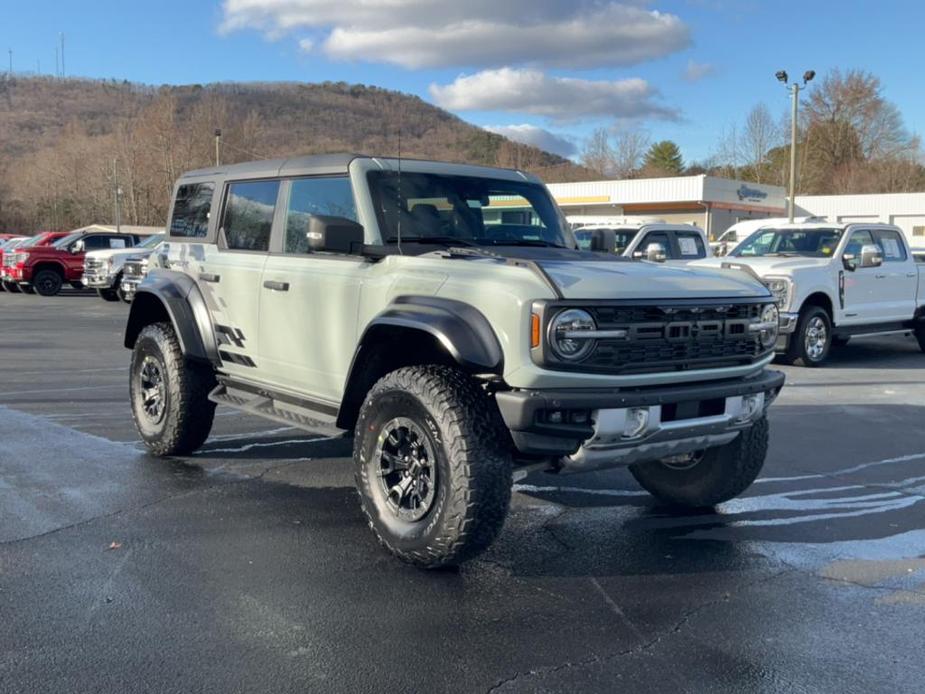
(230, 274)
(309, 300)
(898, 277)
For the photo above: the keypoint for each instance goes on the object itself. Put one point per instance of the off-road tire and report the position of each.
(721, 474)
(188, 412)
(47, 282)
(796, 348)
(473, 465)
(11, 287)
(108, 294)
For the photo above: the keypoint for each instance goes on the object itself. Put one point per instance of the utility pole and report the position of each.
(794, 90)
(218, 146)
(117, 197)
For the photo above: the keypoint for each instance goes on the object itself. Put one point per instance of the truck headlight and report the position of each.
(565, 337)
(769, 325)
(780, 287)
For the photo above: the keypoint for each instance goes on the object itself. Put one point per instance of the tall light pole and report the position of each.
(795, 94)
(218, 146)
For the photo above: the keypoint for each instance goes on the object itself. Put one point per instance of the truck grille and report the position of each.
(673, 337)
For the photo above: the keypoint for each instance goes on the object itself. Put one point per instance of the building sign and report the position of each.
(752, 194)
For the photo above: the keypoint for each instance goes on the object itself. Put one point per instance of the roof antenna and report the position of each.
(401, 109)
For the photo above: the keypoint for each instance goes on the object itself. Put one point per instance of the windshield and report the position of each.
(10, 243)
(33, 241)
(466, 210)
(806, 243)
(66, 241)
(151, 241)
(622, 237)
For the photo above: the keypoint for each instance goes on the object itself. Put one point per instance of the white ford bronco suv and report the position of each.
(834, 282)
(444, 314)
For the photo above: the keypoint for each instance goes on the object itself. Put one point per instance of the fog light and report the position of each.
(751, 407)
(579, 416)
(637, 419)
(554, 417)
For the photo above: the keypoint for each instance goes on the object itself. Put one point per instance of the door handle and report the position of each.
(208, 277)
(912, 274)
(276, 286)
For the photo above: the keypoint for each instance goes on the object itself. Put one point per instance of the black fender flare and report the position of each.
(460, 328)
(176, 294)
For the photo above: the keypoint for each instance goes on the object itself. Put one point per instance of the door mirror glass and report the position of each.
(333, 234)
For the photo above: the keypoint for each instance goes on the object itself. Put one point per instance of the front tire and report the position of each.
(812, 340)
(432, 471)
(713, 476)
(169, 394)
(47, 282)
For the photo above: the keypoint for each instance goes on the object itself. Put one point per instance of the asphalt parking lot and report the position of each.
(247, 567)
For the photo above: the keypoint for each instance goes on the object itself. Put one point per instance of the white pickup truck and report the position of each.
(676, 244)
(834, 282)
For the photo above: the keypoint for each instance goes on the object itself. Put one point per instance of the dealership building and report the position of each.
(714, 204)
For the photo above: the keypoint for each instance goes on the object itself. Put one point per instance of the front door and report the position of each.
(861, 284)
(309, 301)
(230, 273)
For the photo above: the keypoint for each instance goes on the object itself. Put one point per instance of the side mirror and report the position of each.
(333, 234)
(77, 247)
(602, 240)
(655, 252)
(871, 256)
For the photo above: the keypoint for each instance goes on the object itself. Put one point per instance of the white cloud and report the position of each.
(537, 137)
(477, 33)
(557, 98)
(694, 72)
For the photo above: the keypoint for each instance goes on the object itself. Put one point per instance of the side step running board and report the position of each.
(268, 405)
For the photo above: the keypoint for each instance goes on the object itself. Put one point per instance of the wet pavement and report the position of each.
(247, 567)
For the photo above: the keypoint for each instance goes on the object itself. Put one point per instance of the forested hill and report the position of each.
(60, 137)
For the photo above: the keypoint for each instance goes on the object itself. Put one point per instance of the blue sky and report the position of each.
(680, 69)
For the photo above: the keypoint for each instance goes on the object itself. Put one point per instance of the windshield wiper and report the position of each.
(449, 240)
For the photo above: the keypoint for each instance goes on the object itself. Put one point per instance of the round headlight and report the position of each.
(565, 334)
(769, 317)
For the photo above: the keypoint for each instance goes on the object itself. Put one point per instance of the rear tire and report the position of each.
(169, 394)
(811, 341)
(432, 471)
(719, 475)
(47, 282)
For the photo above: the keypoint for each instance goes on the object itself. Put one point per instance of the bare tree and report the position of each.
(759, 136)
(628, 151)
(598, 155)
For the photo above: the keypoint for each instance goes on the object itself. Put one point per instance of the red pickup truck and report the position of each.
(9, 259)
(45, 269)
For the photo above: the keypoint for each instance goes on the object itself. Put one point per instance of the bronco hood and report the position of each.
(641, 280)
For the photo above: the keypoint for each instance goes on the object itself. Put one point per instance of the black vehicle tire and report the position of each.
(11, 287)
(27, 289)
(716, 475)
(108, 294)
(47, 282)
(445, 425)
(840, 341)
(812, 340)
(177, 415)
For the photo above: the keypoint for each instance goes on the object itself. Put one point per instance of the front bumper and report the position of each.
(788, 323)
(679, 419)
(97, 280)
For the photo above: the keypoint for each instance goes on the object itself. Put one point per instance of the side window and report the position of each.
(891, 245)
(659, 237)
(96, 243)
(690, 245)
(308, 197)
(191, 210)
(857, 241)
(248, 215)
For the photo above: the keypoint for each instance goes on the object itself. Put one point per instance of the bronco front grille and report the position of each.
(670, 337)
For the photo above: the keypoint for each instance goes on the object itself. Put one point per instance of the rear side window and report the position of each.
(690, 245)
(248, 217)
(891, 246)
(191, 210)
(312, 197)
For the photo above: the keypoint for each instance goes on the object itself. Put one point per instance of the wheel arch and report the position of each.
(414, 331)
(821, 299)
(165, 295)
(54, 265)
